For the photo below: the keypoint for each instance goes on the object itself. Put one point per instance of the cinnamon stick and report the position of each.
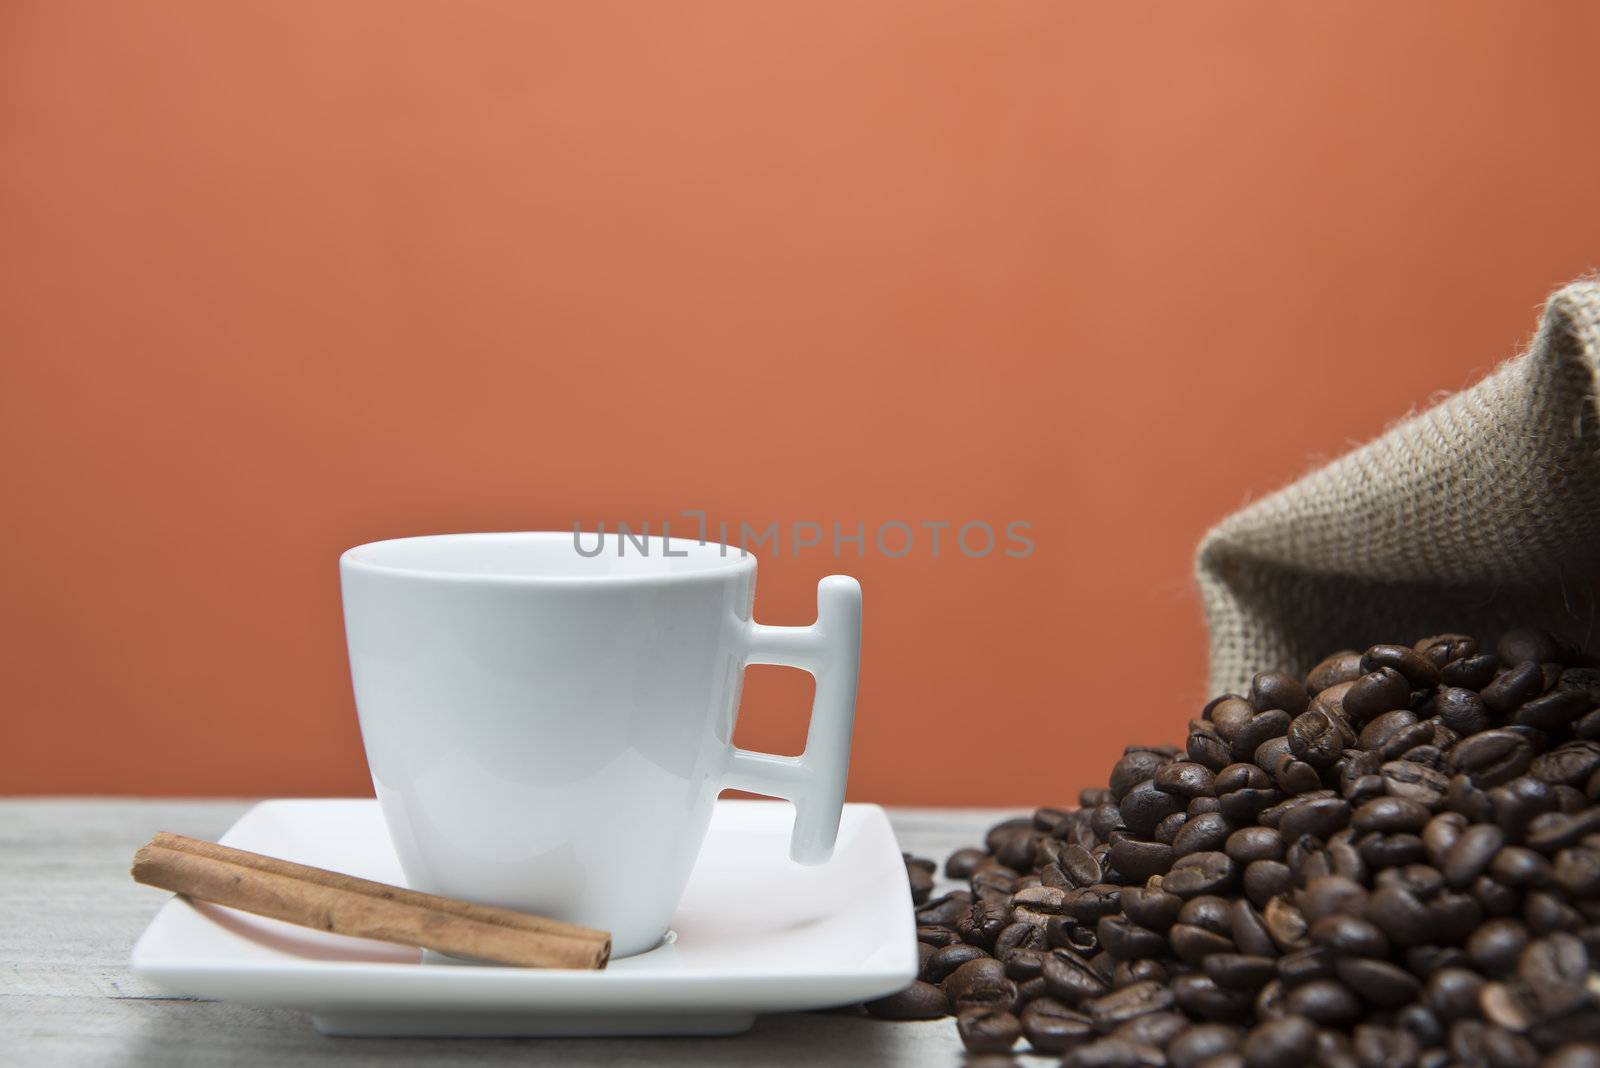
(344, 904)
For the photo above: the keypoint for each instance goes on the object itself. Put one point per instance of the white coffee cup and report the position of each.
(547, 729)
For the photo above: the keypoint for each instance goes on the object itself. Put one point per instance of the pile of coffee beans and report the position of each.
(1392, 862)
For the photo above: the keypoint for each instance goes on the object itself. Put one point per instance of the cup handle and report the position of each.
(830, 649)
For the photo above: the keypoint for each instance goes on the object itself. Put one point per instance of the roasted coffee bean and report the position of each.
(1521, 683)
(1574, 1055)
(1560, 830)
(1241, 807)
(1254, 843)
(1343, 666)
(1350, 936)
(963, 862)
(1088, 903)
(1199, 995)
(948, 959)
(1452, 916)
(1391, 814)
(1239, 971)
(1418, 782)
(1375, 693)
(1441, 649)
(1553, 710)
(1138, 858)
(1151, 907)
(945, 910)
(919, 1001)
(1492, 757)
(1529, 643)
(1241, 777)
(1249, 931)
(1317, 816)
(1126, 940)
(1204, 833)
(1470, 672)
(1440, 836)
(988, 1030)
(1495, 946)
(1266, 879)
(1194, 944)
(1201, 1043)
(1317, 738)
(1287, 1042)
(1262, 727)
(1378, 981)
(1326, 1001)
(1209, 749)
(1418, 671)
(1398, 914)
(1119, 1006)
(1274, 689)
(1520, 867)
(1143, 806)
(938, 937)
(1208, 872)
(1003, 830)
(1271, 754)
(1186, 779)
(1070, 977)
(1051, 1027)
(1377, 732)
(1135, 767)
(1567, 765)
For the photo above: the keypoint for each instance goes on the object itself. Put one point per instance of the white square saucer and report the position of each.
(755, 932)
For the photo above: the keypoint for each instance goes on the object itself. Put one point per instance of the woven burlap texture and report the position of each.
(1478, 514)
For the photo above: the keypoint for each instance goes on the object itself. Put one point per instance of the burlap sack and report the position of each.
(1478, 514)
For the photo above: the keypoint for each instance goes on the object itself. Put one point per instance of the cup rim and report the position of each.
(723, 561)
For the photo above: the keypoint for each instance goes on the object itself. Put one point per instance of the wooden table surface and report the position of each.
(69, 915)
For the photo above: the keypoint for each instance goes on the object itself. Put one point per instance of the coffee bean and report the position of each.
(1204, 833)
(1318, 817)
(1137, 858)
(1194, 944)
(1470, 672)
(1185, 779)
(1559, 830)
(1241, 807)
(1051, 1027)
(1375, 693)
(1207, 872)
(1199, 995)
(1521, 683)
(1569, 765)
(1492, 757)
(1519, 867)
(1275, 689)
(1398, 914)
(1143, 806)
(1495, 946)
(919, 1001)
(948, 959)
(1440, 836)
(1574, 1055)
(1150, 907)
(1202, 1043)
(1287, 1042)
(1556, 971)
(1378, 981)
(1070, 977)
(1325, 1001)
(1343, 666)
(1239, 971)
(1254, 843)
(1119, 1006)
(1266, 879)
(1391, 814)
(1452, 916)
(1317, 738)
(1126, 940)
(1350, 936)
(988, 1030)
(1529, 643)
(1418, 671)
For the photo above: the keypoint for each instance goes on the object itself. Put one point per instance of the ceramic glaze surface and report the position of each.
(547, 729)
(755, 932)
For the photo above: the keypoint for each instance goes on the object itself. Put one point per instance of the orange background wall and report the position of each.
(280, 277)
